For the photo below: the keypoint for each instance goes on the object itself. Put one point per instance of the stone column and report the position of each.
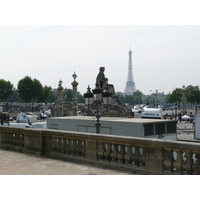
(75, 99)
(60, 99)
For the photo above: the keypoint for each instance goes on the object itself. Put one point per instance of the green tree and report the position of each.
(29, 89)
(69, 94)
(45, 96)
(137, 95)
(150, 99)
(5, 90)
(175, 95)
(192, 94)
(80, 98)
(52, 97)
(120, 96)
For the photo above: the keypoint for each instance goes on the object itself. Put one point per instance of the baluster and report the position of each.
(21, 140)
(82, 148)
(168, 160)
(6, 138)
(177, 161)
(62, 145)
(196, 164)
(100, 153)
(72, 146)
(10, 136)
(186, 162)
(113, 154)
(53, 144)
(135, 156)
(17, 140)
(57, 145)
(128, 154)
(78, 147)
(107, 151)
(13, 138)
(142, 156)
(67, 146)
(120, 153)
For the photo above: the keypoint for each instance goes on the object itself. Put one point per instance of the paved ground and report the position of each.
(14, 163)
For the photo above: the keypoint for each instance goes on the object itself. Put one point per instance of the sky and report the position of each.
(164, 56)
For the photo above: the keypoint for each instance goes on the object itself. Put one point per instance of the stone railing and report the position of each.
(137, 155)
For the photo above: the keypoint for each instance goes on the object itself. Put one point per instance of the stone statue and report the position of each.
(101, 79)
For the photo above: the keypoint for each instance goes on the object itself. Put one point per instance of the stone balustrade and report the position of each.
(138, 155)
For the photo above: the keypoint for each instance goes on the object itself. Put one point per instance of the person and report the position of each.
(8, 119)
(179, 116)
(193, 123)
(1, 121)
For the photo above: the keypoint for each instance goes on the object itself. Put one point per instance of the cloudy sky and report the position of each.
(163, 56)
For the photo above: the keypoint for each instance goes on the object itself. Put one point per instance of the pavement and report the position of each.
(15, 163)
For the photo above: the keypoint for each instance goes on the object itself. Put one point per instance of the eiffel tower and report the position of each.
(130, 84)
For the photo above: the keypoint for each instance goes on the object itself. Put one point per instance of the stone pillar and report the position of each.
(60, 99)
(75, 99)
(183, 100)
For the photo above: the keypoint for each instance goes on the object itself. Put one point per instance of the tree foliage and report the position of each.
(32, 90)
(192, 94)
(6, 90)
(175, 96)
(68, 93)
(45, 96)
(136, 98)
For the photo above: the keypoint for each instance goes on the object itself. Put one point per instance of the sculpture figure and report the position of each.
(101, 79)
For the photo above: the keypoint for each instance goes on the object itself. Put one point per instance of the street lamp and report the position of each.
(183, 99)
(98, 96)
(32, 105)
(175, 107)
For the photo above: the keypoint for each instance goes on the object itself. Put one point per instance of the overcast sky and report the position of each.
(163, 56)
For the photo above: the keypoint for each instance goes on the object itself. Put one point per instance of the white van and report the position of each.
(152, 113)
(42, 125)
(22, 118)
(18, 125)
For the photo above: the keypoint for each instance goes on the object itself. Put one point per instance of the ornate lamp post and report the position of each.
(98, 96)
(183, 99)
(75, 104)
(32, 105)
(163, 98)
(60, 98)
(175, 107)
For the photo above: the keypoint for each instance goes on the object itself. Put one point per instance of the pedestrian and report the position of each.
(1, 121)
(193, 123)
(8, 119)
(179, 117)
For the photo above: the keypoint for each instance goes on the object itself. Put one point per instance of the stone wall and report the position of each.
(138, 155)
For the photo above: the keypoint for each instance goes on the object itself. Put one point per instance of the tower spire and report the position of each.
(130, 84)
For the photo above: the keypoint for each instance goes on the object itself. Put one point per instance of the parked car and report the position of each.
(168, 108)
(41, 116)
